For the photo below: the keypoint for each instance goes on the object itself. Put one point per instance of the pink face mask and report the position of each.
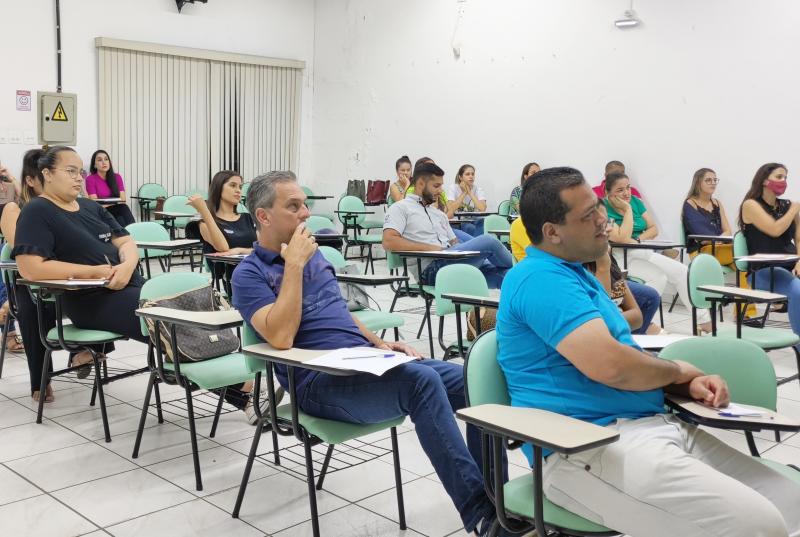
(777, 187)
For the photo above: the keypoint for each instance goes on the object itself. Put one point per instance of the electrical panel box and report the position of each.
(58, 121)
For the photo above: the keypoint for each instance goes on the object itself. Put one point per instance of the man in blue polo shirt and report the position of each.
(287, 292)
(565, 347)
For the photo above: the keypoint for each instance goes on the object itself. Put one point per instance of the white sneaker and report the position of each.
(250, 411)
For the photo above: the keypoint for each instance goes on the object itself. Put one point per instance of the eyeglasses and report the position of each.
(711, 180)
(72, 172)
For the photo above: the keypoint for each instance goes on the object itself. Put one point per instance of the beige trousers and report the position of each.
(666, 478)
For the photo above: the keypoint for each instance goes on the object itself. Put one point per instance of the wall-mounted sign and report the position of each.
(23, 100)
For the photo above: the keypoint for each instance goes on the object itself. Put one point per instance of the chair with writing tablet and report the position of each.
(374, 320)
(520, 503)
(460, 279)
(290, 420)
(705, 271)
(213, 374)
(148, 195)
(748, 372)
(9, 277)
(352, 215)
(151, 232)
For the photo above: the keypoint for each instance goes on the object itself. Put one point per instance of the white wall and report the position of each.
(275, 28)
(710, 83)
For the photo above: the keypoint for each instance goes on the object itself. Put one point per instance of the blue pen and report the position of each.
(371, 356)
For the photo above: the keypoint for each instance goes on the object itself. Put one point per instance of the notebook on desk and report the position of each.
(363, 359)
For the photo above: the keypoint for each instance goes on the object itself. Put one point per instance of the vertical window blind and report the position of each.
(176, 116)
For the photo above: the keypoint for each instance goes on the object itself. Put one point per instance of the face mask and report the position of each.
(778, 187)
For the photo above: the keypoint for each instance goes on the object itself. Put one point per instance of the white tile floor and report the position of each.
(61, 479)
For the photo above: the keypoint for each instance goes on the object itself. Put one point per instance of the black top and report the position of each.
(239, 234)
(82, 237)
(759, 242)
(699, 221)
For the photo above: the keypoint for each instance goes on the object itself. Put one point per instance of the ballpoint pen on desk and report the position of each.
(390, 355)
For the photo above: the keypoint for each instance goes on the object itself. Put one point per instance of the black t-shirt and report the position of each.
(82, 237)
(239, 234)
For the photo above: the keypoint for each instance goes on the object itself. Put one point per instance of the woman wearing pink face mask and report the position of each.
(771, 225)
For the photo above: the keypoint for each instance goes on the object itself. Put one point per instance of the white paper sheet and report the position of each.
(364, 359)
(657, 342)
(735, 411)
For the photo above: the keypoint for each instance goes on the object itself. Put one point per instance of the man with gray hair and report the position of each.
(288, 293)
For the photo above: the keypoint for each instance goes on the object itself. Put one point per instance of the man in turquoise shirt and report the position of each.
(565, 347)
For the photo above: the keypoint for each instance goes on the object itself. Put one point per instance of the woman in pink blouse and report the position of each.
(104, 183)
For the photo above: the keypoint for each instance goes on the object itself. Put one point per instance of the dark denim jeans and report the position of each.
(495, 260)
(647, 299)
(429, 392)
(785, 283)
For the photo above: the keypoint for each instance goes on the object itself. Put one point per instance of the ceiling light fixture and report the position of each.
(630, 19)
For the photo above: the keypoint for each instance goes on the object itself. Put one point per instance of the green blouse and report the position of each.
(638, 208)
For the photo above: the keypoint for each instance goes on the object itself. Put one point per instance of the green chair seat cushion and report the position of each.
(217, 372)
(766, 338)
(329, 216)
(519, 498)
(336, 432)
(81, 335)
(787, 471)
(379, 320)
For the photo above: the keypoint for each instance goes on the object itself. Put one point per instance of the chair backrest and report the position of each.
(485, 380)
(393, 261)
(744, 366)
(703, 270)
(504, 209)
(151, 190)
(202, 193)
(308, 192)
(242, 208)
(740, 250)
(351, 203)
(495, 222)
(315, 223)
(169, 284)
(458, 278)
(177, 204)
(149, 231)
(245, 188)
(249, 337)
(5, 255)
(333, 256)
(682, 231)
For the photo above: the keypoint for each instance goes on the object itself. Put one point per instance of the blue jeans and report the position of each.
(647, 299)
(785, 284)
(495, 260)
(428, 391)
(474, 229)
(461, 235)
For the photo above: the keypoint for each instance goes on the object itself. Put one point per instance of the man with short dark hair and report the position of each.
(288, 293)
(565, 347)
(415, 223)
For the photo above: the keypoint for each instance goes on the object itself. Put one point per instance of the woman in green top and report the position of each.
(530, 168)
(634, 224)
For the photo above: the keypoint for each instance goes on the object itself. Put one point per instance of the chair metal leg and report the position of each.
(248, 468)
(6, 326)
(151, 382)
(312, 493)
(751, 444)
(98, 382)
(777, 436)
(219, 409)
(661, 313)
(43, 384)
(325, 464)
(430, 327)
(193, 435)
(396, 334)
(674, 300)
(398, 481)
(158, 401)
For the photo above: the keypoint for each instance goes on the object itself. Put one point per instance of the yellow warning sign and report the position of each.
(59, 114)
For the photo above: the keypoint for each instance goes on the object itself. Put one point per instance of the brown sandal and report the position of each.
(14, 343)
